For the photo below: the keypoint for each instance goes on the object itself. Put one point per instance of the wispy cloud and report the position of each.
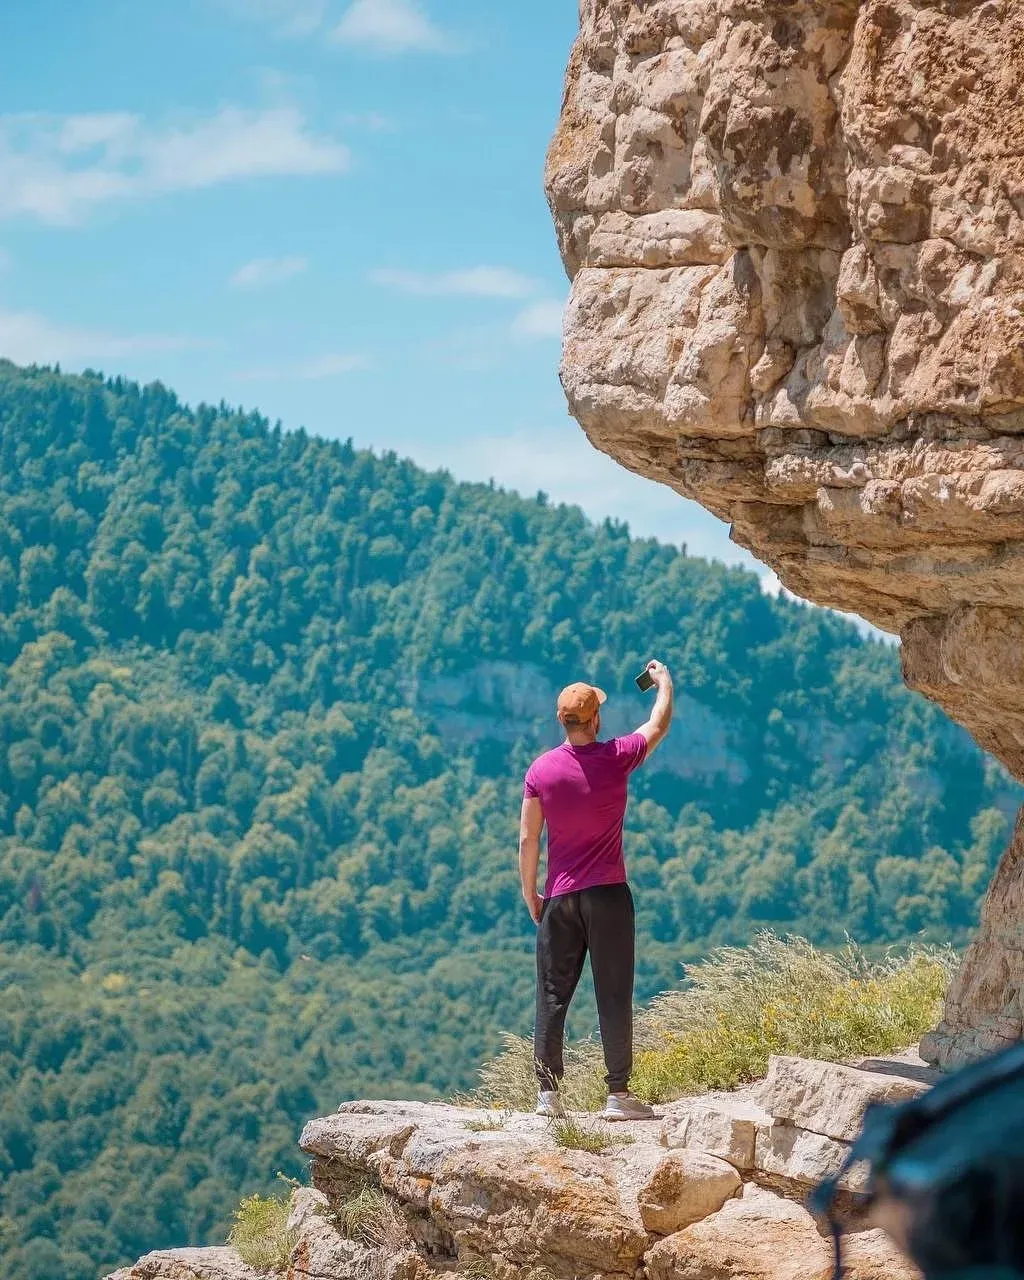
(29, 338)
(539, 320)
(332, 365)
(477, 282)
(58, 168)
(288, 17)
(373, 121)
(261, 272)
(391, 27)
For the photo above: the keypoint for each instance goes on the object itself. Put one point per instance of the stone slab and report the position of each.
(828, 1097)
(722, 1124)
(189, 1264)
(686, 1187)
(798, 1159)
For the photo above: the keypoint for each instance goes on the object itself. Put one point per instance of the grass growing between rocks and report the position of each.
(484, 1269)
(478, 1269)
(583, 1135)
(372, 1218)
(260, 1233)
(487, 1124)
(736, 1009)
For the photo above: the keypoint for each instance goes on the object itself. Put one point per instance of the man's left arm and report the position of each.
(531, 824)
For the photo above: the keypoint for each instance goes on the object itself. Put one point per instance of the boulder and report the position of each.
(540, 1207)
(722, 1124)
(321, 1250)
(795, 1159)
(984, 1010)
(501, 1190)
(469, 1191)
(762, 1236)
(684, 1188)
(827, 1097)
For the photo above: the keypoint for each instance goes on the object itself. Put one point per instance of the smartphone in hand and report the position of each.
(644, 681)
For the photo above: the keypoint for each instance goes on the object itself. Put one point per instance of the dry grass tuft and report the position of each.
(372, 1218)
(509, 1080)
(488, 1123)
(583, 1135)
(478, 1269)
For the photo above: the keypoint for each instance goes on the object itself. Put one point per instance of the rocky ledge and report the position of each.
(711, 1190)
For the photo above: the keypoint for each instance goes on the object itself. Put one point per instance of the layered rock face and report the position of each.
(795, 233)
(712, 1190)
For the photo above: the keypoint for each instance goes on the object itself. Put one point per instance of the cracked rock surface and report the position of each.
(714, 1188)
(795, 233)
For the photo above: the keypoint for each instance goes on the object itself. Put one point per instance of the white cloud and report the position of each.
(28, 338)
(267, 271)
(332, 365)
(58, 168)
(477, 282)
(539, 320)
(289, 17)
(390, 27)
(770, 583)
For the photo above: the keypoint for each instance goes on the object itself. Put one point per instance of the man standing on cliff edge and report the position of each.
(580, 791)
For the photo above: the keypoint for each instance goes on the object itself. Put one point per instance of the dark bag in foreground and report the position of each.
(946, 1172)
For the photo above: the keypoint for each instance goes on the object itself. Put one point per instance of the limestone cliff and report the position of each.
(795, 231)
(712, 1190)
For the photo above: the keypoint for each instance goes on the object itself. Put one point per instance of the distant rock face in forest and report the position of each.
(795, 239)
(795, 236)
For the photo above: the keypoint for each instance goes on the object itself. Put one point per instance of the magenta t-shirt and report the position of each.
(583, 792)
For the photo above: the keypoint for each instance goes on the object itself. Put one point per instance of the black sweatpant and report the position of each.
(601, 921)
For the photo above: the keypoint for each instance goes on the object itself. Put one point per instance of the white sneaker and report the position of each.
(623, 1106)
(549, 1103)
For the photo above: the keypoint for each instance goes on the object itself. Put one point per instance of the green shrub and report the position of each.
(783, 996)
(738, 1007)
(260, 1233)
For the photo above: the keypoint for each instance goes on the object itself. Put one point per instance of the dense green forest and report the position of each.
(265, 706)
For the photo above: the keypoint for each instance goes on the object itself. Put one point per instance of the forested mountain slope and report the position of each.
(265, 705)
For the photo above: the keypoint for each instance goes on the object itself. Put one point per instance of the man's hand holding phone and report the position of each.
(656, 676)
(655, 673)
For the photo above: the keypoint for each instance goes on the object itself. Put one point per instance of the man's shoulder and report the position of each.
(630, 748)
(547, 758)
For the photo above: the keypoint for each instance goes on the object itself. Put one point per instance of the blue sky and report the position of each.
(330, 210)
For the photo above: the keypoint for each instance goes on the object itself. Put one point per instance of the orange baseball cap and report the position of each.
(579, 703)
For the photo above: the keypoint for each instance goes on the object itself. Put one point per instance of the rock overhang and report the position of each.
(795, 237)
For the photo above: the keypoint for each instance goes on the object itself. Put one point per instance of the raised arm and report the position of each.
(531, 824)
(655, 728)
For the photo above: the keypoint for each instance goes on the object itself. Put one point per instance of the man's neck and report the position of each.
(580, 739)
